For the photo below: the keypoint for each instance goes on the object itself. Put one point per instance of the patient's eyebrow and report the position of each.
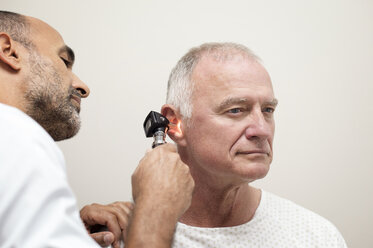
(273, 102)
(240, 101)
(231, 101)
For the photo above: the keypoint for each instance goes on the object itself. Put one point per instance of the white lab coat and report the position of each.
(37, 206)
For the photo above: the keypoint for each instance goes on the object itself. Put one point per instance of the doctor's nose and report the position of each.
(80, 86)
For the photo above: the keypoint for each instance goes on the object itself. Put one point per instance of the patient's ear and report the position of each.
(9, 52)
(175, 130)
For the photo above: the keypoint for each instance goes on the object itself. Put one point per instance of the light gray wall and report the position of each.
(319, 54)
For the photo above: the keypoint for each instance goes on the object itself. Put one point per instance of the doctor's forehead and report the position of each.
(43, 35)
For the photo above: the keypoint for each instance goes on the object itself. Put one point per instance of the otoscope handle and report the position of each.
(159, 138)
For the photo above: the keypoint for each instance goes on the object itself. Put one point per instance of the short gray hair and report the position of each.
(16, 26)
(180, 87)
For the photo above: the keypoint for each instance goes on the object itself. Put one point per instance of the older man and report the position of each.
(221, 105)
(40, 103)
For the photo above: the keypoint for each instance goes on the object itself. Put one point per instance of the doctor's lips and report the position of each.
(76, 97)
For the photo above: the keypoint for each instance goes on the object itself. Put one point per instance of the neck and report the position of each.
(218, 205)
(11, 92)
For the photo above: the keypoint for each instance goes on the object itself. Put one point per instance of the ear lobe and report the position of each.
(175, 127)
(9, 52)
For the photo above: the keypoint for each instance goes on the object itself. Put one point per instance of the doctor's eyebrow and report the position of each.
(70, 53)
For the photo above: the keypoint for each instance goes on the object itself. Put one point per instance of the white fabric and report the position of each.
(37, 206)
(277, 223)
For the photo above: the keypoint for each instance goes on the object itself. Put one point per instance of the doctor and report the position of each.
(40, 103)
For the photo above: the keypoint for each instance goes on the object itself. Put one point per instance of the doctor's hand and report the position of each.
(162, 188)
(164, 180)
(114, 216)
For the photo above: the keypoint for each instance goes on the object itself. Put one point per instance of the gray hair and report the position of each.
(16, 26)
(180, 87)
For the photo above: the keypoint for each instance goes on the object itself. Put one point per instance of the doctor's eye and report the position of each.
(67, 63)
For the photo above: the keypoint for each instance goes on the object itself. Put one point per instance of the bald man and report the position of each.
(221, 105)
(40, 100)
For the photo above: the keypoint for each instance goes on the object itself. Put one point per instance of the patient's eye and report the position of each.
(235, 110)
(269, 110)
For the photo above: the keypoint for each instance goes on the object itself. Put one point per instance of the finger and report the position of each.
(123, 209)
(104, 239)
(112, 222)
(113, 226)
(106, 217)
(169, 147)
(126, 206)
(122, 213)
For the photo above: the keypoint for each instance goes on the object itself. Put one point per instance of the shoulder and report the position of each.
(26, 148)
(23, 136)
(301, 222)
(13, 121)
(34, 190)
(288, 210)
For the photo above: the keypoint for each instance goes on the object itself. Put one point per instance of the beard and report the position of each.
(48, 102)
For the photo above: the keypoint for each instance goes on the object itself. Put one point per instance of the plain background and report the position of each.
(320, 57)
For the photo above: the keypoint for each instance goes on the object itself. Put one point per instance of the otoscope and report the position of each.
(156, 126)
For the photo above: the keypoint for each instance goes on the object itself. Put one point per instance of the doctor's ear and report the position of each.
(175, 130)
(9, 52)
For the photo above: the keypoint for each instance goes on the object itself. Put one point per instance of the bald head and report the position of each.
(36, 74)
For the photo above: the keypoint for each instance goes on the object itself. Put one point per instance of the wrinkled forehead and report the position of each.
(235, 66)
(43, 35)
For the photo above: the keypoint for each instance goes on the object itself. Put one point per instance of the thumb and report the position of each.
(104, 239)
